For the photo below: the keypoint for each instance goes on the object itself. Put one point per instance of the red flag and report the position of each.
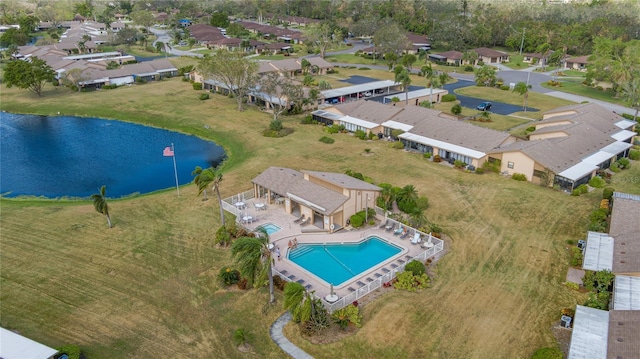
(168, 152)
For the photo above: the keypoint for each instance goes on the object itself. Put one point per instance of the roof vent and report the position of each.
(620, 323)
(620, 340)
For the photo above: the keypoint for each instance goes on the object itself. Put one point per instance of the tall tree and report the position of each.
(428, 72)
(143, 18)
(408, 60)
(206, 177)
(619, 62)
(485, 75)
(31, 74)
(403, 77)
(236, 72)
(253, 257)
(323, 36)
(523, 90)
(100, 203)
(390, 37)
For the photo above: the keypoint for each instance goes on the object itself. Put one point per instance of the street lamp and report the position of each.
(522, 42)
(366, 211)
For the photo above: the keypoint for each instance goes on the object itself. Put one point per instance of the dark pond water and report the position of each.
(65, 156)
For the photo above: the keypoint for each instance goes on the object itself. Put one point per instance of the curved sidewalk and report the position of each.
(278, 337)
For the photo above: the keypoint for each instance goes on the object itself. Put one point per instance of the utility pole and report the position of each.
(522, 42)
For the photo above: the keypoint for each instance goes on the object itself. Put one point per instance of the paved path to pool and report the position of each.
(278, 336)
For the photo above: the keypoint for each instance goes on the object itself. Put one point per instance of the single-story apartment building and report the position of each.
(328, 199)
(576, 63)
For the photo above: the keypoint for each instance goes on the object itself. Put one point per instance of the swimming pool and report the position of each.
(270, 228)
(337, 263)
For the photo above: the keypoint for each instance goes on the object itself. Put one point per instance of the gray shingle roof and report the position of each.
(285, 180)
(343, 180)
(624, 331)
(625, 229)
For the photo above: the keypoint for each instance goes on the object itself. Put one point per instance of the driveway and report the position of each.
(500, 108)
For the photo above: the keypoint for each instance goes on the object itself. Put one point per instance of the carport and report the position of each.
(344, 93)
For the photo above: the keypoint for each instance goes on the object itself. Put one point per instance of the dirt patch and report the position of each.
(563, 336)
(245, 348)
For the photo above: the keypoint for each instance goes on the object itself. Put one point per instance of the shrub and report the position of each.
(72, 351)
(333, 129)
(571, 285)
(459, 164)
(607, 193)
(597, 182)
(327, 140)
(398, 145)
(505, 88)
(356, 220)
(243, 284)
(576, 256)
(275, 125)
(548, 353)
(491, 166)
(623, 163)
(519, 177)
(140, 80)
(240, 336)
(197, 86)
(204, 96)
(185, 70)
(349, 314)
(615, 167)
(448, 97)
(415, 267)
(364, 68)
(634, 155)
(278, 282)
(223, 237)
(437, 158)
(468, 68)
(456, 109)
(531, 129)
(407, 280)
(360, 134)
(109, 87)
(427, 155)
(480, 170)
(229, 276)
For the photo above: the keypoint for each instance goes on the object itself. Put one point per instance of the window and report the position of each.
(510, 164)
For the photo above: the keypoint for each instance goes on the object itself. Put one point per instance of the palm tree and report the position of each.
(470, 57)
(100, 203)
(198, 179)
(408, 193)
(522, 89)
(294, 295)
(403, 77)
(306, 65)
(428, 72)
(253, 257)
(444, 78)
(206, 177)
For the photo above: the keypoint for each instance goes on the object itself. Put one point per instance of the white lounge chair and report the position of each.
(416, 238)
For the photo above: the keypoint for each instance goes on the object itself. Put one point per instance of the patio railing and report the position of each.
(229, 204)
(376, 283)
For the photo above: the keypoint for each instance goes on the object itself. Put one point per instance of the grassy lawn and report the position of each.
(576, 87)
(574, 73)
(498, 122)
(536, 100)
(147, 288)
(515, 62)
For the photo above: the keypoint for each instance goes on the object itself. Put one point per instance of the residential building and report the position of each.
(328, 199)
(576, 63)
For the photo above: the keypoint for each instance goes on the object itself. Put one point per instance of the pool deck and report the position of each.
(275, 214)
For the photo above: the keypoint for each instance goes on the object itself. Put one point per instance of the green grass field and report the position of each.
(575, 86)
(147, 289)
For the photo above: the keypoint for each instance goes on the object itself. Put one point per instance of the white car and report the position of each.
(367, 94)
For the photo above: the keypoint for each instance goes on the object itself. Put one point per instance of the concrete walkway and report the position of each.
(284, 343)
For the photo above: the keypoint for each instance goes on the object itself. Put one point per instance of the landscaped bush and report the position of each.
(623, 163)
(505, 88)
(615, 168)
(415, 267)
(307, 120)
(607, 193)
(548, 353)
(468, 68)
(597, 182)
(275, 125)
(407, 280)
(459, 164)
(427, 155)
(333, 129)
(243, 284)
(278, 282)
(185, 70)
(197, 86)
(456, 109)
(571, 285)
(356, 221)
(576, 256)
(360, 134)
(634, 155)
(223, 237)
(531, 129)
(327, 140)
(228, 276)
(491, 166)
(204, 96)
(448, 97)
(479, 170)
(72, 351)
(364, 68)
(109, 87)
(437, 158)
(349, 314)
(581, 189)
(398, 145)
(519, 177)
(598, 219)
(140, 80)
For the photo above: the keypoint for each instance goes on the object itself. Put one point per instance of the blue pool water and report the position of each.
(270, 228)
(337, 263)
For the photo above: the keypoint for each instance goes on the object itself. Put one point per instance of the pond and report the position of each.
(64, 156)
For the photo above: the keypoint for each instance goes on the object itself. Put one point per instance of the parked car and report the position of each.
(485, 106)
(379, 91)
(367, 94)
